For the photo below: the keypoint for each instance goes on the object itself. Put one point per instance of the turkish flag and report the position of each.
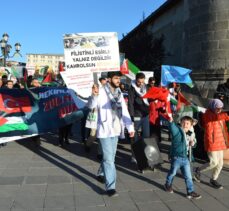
(161, 94)
(157, 93)
(10, 104)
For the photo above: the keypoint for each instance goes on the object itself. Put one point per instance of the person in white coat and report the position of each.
(113, 116)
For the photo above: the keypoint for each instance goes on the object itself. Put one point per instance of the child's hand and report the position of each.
(191, 143)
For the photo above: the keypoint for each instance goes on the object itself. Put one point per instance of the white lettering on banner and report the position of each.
(51, 92)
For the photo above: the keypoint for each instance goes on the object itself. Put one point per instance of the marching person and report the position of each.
(139, 109)
(215, 141)
(112, 117)
(179, 156)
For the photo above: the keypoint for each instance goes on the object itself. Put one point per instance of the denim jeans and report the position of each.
(107, 167)
(184, 165)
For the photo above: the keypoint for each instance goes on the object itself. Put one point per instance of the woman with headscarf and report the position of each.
(215, 141)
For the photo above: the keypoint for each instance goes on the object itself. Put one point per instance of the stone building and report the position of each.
(41, 60)
(196, 36)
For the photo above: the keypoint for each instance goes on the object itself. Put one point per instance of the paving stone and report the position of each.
(36, 180)
(93, 208)
(176, 196)
(8, 190)
(28, 202)
(82, 188)
(59, 179)
(159, 206)
(210, 204)
(65, 201)
(16, 172)
(186, 205)
(6, 203)
(121, 202)
(32, 190)
(56, 209)
(59, 189)
(85, 200)
(144, 196)
(11, 180)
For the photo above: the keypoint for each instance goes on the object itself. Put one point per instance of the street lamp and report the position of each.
(6, 48)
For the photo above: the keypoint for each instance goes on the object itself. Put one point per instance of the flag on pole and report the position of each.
(133, 68)
(162, 94)
(182, 101)
(170, 74)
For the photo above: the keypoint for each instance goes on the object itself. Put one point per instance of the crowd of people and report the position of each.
(119, 108)
(123, 111)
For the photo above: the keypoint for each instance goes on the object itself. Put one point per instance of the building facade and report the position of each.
(196, 36)
(40, 60)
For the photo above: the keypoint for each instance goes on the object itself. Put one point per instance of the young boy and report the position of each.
(179, 158)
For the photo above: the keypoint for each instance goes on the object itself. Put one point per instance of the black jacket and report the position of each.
(136, 105)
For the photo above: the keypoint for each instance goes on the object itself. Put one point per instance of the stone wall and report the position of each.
(196, 36)
(206, 43)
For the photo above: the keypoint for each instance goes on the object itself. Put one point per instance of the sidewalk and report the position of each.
(57, 179)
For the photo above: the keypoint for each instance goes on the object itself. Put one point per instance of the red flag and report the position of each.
(48, 78)
(157, 93)
(162, 94)
(124, 67)
(182, 100)
(25, 74)
(2, 120)
(61, 67)
(11, 104)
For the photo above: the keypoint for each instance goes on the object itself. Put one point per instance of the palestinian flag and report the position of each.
(129, 69)
(182, 101)
(13, 123)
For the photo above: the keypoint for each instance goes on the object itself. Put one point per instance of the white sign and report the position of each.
(97, 52)
(88, 53)
(81, 82)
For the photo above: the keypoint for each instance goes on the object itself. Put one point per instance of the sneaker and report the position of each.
(112, 193)
(197, 175)
(193, 195)
(101, 179)
(215, 184)
(168, 188)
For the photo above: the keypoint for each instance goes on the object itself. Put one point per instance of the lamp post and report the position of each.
(6, 48)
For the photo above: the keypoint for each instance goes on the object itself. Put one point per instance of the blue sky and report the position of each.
(39, 25)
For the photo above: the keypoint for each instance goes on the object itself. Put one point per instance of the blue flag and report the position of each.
(170, 74)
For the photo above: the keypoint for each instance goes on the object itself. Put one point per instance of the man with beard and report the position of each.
(113, 116)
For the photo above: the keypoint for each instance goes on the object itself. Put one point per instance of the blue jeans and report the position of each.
(107, 167)
(184, 165)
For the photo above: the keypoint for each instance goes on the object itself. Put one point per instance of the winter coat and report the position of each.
(216, 134)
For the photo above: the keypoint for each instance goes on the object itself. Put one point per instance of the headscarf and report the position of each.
(215, 103)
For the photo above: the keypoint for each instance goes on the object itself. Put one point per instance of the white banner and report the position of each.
(80, 82)
(97, 52)
(88, 53)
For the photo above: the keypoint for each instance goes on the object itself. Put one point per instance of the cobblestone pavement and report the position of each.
(53, 178)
